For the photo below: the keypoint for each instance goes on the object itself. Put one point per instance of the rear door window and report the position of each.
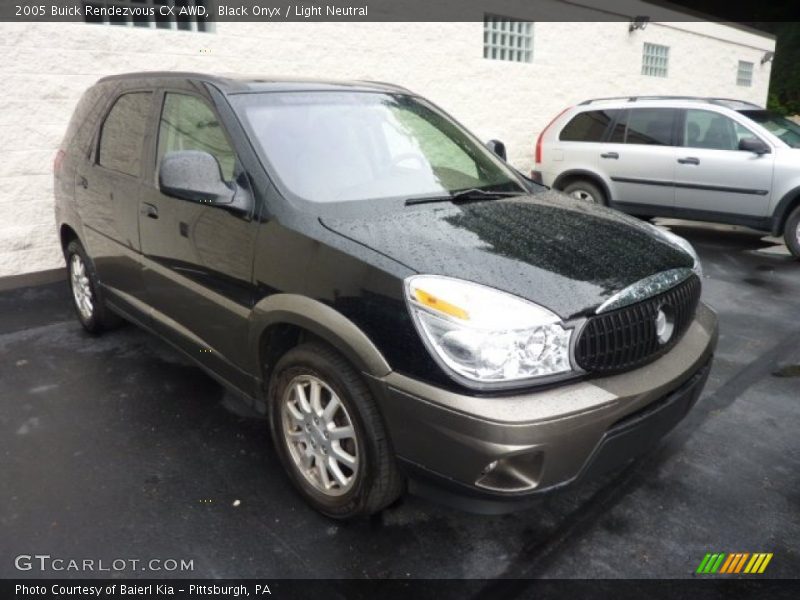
(589, 126)
(649, 126)
(122, 135)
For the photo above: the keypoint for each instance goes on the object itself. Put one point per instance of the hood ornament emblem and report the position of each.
(645, 288)
(665, 325)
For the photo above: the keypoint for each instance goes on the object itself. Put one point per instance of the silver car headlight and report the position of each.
(684, 245)
(485, 335)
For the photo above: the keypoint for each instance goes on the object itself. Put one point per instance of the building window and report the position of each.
(184, 15)
(507, 39)
(655, 60)
(744, 75)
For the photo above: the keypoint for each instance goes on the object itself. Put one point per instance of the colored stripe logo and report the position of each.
(736, 562)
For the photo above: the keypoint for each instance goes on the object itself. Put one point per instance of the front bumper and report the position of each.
(541, 440)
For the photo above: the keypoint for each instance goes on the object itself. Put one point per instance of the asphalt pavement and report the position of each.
(117, 448)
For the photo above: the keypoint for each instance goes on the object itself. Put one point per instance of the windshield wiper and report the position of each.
(467, 195)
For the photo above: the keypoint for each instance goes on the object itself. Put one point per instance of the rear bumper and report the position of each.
(544, 440)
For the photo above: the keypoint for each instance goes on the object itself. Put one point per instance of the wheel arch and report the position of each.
(281, 321)
(567, 177)
(785, 206)
(66, 235)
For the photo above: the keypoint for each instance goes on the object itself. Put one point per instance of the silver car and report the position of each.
(707, 159)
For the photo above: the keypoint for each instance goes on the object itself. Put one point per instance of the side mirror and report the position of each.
(751, 144)
(193, 175)
(498, 147)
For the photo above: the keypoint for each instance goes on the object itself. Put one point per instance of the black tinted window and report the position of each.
(617, 135)
(651, 126)
(123, 133)
(588, 126)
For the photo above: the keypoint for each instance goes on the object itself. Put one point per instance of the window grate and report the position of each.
(181, 15)
(655, 60)
(744, 74)
(507, 39)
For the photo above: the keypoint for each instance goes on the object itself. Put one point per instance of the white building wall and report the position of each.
(47, 66)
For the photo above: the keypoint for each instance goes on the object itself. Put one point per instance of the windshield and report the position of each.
(779, 126)
(345, 146)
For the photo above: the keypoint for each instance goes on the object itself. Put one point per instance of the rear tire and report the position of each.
(338, 456)
(587, 191)
(87, 295)
(791, 233)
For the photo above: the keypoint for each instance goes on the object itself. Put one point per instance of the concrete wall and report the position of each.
(46, 67)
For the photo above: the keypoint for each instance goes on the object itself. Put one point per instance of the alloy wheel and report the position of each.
(584, 195)
(320, 435)
(81, 288)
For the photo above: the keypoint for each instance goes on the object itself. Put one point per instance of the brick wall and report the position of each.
(46, 67)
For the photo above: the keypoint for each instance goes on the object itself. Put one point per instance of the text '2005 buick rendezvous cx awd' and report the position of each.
(405, 307)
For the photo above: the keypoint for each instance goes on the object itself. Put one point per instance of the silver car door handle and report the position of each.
(614, 155)
(689, 160)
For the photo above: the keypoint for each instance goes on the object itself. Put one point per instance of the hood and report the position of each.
(564, 254)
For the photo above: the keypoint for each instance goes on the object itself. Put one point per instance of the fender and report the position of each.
(586, 175)
(782, 210)
(67, 218)
(321, 320)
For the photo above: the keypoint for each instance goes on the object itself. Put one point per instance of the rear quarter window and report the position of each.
(83, 121)
(122, 135)
(589, 126)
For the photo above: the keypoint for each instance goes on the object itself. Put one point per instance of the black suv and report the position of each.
(404, 306)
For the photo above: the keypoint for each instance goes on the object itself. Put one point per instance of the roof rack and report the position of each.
(695, 98)
(385, 84)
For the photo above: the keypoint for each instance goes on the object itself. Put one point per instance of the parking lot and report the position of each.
(116, 447)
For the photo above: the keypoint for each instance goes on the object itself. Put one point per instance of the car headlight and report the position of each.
(684, 245)
(485, 335)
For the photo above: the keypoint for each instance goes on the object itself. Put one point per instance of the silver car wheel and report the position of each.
(320, 435)
(81, 289)
(584, 195)
(797, 233)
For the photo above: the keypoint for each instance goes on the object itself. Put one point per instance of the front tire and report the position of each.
(586, 191)
(329, 435)
(791, 233)
(87, 299)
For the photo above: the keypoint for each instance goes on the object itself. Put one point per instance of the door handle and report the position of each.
(613, 155)
(83, 182)
(689, 160)
(148, 210)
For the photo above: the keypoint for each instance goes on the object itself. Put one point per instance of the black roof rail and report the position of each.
(696, 98)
